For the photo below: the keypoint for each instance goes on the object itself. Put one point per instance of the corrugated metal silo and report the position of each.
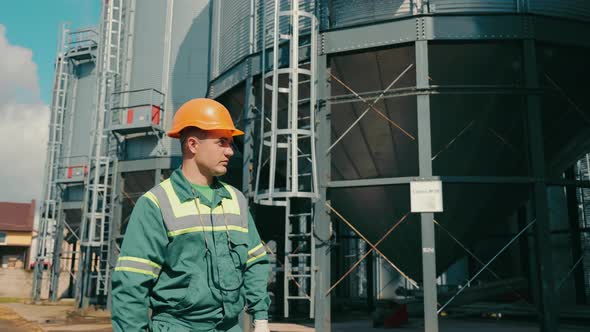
(475, 93)
(167, 56)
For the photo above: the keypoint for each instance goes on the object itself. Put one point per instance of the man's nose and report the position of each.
(229, 151)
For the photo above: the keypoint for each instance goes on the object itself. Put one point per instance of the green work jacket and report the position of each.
(195, 263)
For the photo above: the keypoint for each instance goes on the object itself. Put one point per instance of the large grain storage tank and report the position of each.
(486, 96)
(166, 63)
(81, 106)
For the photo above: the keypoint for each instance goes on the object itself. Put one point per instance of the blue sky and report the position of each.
(28, 38)
(34, 24)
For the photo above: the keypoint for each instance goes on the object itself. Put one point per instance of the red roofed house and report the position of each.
(16, 233)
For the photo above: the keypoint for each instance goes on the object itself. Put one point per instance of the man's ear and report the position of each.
(192, 143)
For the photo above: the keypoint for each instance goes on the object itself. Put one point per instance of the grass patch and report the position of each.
(12, 300)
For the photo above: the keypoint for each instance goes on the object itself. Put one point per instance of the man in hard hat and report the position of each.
(191, 251)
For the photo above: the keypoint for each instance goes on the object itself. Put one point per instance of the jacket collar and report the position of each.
(184, 190)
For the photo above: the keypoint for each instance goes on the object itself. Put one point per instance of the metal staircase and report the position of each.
(286, 172)
(94, 266)
(51, 211)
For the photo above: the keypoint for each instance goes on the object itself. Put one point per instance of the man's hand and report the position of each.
(261, 326)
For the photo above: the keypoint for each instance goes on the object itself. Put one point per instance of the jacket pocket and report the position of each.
(239, 252)
(198, 293)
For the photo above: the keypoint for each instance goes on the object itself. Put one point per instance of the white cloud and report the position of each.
(17, 69)
(24, 123)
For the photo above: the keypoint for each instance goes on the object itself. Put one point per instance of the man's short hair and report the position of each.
(190, 132)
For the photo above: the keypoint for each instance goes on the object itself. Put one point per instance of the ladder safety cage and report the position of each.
(286, 172)
(95, 236)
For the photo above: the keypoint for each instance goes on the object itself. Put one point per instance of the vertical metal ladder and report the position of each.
(94, 267)
(51, 209)
(286, 172)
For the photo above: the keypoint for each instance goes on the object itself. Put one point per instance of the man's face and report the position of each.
(213, 152)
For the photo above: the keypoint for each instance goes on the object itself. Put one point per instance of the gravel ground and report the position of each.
(20, 317)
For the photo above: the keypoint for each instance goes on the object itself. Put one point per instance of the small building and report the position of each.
(16, 233)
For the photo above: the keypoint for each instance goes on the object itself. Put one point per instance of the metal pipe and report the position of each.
(294, 95)
(262, 88)
(313, 108)
(274, 105)
(441, 90)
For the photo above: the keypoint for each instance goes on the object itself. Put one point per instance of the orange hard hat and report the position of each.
(203, 113)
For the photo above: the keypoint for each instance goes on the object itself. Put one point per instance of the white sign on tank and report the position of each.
(426, 196)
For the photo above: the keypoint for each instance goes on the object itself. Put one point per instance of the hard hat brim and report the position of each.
(175, 133)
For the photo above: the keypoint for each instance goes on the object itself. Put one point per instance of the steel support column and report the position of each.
(249, 106)
(370, 283)
(73, 281)
(322, 222)
(248, 148)
(526, 257)
(547, 295)
(157, 176)
(576, 242)
(247, 164)
(425, 165)
(117, 223)
(56, 260)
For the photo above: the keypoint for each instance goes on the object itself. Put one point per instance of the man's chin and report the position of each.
(220, 170)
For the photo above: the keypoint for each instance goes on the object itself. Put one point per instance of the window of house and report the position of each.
(2, 238)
